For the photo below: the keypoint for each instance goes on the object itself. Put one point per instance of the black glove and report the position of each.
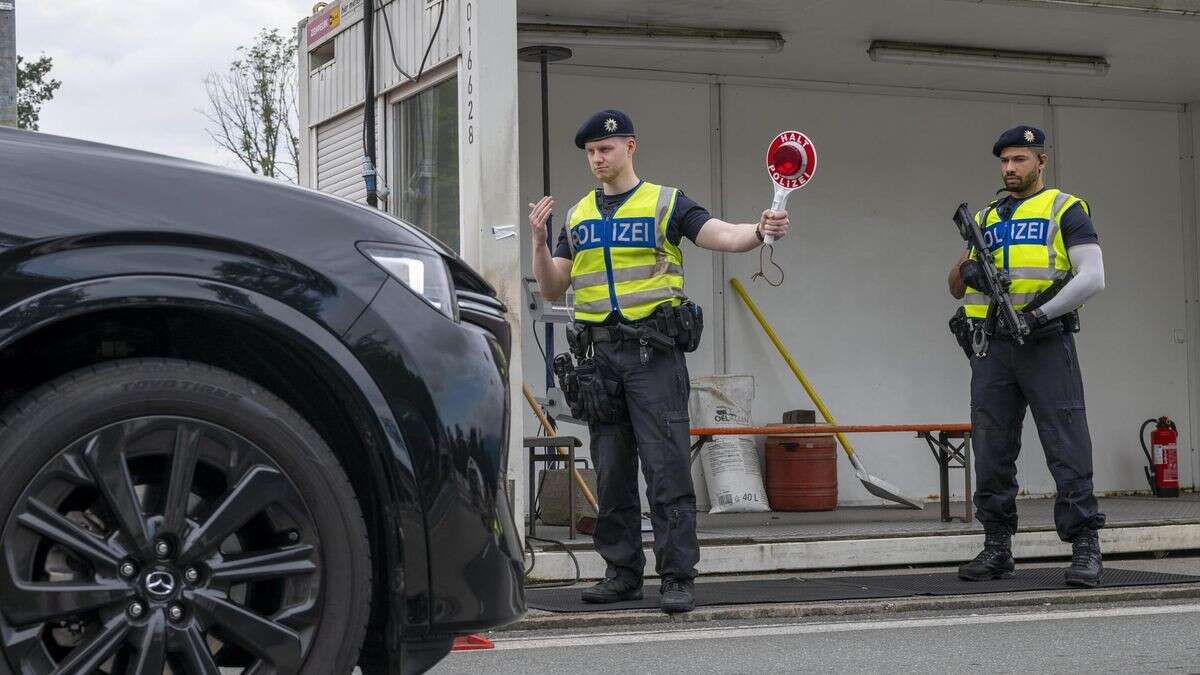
(971, 273)
(600, 400)
(1035, 319)
(591, 399)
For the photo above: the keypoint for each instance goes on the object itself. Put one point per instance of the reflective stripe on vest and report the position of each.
(1028, 244)
(624, 263)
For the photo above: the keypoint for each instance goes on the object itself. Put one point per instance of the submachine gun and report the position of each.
(997, 281)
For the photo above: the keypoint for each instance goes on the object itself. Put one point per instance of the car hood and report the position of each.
(55, 186)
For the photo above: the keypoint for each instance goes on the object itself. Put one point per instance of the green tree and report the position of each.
(34, 88)
(252, 106)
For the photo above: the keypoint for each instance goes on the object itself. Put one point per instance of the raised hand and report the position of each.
(539, 213)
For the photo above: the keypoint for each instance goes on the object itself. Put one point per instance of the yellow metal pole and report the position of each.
(787, 357)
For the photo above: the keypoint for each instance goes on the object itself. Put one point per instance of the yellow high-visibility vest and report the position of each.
(1029, 245)
(624, 263)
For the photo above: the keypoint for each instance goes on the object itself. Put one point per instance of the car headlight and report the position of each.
(421, 270)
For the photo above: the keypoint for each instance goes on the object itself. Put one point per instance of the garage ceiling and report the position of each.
(1153, 57)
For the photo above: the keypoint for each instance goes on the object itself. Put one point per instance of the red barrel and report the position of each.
(802, 473)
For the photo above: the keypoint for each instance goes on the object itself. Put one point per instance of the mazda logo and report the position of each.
(160, 583)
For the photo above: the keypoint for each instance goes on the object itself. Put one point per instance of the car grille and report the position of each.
(488, 313)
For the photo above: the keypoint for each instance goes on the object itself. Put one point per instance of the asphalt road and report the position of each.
(1141, 637)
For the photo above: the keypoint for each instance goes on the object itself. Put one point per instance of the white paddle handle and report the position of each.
(777, 204)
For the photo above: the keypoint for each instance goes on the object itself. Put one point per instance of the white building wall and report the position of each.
(1189, 131)
(865, 305)
(489, 186)
(1133, 346)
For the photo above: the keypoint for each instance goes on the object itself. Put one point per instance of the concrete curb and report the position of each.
(841, 554)
(541, 620)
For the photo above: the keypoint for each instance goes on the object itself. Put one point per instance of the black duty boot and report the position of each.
(1085, 566)
(995, 561)
(677, 596)
(613, 590)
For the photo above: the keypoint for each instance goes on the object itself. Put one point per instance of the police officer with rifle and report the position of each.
(1032, 260)
(621, 252)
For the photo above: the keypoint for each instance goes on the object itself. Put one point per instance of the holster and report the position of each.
(691, 322)
(683, 324)
(590, 396)
(960, 328)
(568, 381)
(579, 340)
(1070, 321)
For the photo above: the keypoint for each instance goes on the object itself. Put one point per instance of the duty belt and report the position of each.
(667, 329)
(615, 333)
(1068, 323)
(644, 332)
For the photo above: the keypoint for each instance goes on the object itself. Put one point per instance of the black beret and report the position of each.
(1019, 137)
(604, 124)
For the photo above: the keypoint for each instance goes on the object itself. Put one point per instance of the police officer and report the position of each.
(1045, 239)
(620, 250)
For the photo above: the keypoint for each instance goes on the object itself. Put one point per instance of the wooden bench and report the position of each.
(949, 443)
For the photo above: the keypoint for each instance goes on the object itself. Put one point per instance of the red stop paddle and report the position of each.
(791, 162)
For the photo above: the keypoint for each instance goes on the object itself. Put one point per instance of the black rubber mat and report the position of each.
(717, 593)
(1032, 579)
(846, 588)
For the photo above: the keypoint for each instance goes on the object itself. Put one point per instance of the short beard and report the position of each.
(1026, 184)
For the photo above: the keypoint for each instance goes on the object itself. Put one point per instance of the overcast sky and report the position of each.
(133, 70)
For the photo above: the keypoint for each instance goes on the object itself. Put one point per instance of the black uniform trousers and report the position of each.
(1044, 375)
(655, 431)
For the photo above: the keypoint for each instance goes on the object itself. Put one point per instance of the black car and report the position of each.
(243, 425)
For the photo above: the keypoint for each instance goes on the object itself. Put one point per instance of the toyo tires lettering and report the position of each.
(180, 385)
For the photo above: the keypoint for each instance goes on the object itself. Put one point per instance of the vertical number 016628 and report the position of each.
(469, 69)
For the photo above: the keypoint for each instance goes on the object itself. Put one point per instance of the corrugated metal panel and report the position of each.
(339, 157)
(351, 85)
(339, 84)
(318, 86)
(412, 27)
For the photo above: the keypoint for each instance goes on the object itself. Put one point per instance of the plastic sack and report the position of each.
(730, 463)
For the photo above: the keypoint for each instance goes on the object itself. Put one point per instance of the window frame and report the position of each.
(409, 90)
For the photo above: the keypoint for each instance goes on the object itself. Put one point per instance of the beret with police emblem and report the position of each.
(604, 124)
(1019, 137)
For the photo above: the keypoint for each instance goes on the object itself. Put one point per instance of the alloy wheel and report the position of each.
(159, 545)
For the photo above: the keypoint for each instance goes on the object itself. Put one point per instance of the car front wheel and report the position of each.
(166, 516)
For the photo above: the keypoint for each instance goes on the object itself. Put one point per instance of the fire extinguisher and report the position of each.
(1163, 455)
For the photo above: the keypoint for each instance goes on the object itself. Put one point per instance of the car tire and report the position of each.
(141, 402)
